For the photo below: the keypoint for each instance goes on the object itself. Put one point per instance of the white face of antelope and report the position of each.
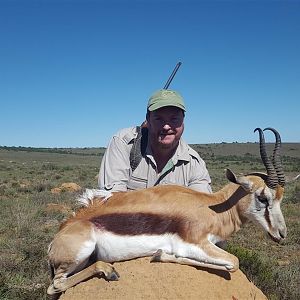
(266, 190)
(264, 210)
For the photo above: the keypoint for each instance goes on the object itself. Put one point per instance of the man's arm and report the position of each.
(114, 169)
(199, 179)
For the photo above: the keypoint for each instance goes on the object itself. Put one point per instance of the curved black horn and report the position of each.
(276, 159)
(272, 180)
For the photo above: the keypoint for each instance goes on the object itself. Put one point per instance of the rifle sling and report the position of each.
(139, 147)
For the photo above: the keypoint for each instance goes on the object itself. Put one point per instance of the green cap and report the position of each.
(164, 98)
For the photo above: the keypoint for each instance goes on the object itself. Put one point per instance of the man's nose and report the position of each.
(166, 126)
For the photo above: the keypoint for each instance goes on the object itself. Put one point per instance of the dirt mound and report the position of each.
(141, 279)
(66, 187)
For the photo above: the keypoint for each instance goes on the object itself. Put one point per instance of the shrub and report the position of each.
(258, 269)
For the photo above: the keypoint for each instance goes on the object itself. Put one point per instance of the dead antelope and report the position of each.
(170, 223)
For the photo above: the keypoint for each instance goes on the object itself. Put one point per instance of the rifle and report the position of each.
(172, 76)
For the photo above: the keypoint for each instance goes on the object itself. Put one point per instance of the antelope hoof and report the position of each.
(112, 276)
(231, 268)
(53, 292)
(156, 257)
(107, 270)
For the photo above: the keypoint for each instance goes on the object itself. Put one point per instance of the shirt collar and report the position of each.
(181, 152)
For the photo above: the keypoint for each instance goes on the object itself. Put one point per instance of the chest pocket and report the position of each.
(136, 183)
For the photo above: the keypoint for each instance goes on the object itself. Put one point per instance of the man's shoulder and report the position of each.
(193, 154)
(126, 134)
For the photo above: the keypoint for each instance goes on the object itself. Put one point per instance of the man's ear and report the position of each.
(144, 124)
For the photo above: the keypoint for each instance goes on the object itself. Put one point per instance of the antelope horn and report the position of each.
(272, 179)
(276, 157)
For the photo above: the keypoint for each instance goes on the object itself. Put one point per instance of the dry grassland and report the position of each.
(30, 215)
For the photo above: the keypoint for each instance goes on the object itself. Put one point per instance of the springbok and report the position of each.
(170, 223)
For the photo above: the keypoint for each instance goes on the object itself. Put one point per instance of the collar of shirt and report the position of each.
(181, 154)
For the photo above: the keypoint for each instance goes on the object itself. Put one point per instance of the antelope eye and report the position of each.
(263, 199)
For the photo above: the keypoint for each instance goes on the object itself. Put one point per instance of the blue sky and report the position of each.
(72, 73)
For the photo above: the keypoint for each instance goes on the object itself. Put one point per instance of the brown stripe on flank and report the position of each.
(138, 223)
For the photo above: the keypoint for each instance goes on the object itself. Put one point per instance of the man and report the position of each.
(165, 159)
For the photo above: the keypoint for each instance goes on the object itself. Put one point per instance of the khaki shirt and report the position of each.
(185, 168)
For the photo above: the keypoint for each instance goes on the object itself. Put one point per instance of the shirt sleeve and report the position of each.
(199, 179)
(114, 169)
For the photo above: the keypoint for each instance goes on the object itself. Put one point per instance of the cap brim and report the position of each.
(156, 106)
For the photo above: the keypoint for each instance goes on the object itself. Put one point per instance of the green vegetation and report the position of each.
(75, 151)
(29, 217)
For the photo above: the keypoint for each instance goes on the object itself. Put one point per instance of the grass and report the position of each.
(27, 224)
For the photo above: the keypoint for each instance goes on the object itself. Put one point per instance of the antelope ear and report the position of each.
(263, 176)
(243, 181)
(231, 176)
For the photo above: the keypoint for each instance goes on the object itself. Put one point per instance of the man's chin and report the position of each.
(167, 143)
(166, 146)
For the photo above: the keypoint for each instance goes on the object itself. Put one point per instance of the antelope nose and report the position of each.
(282, 233)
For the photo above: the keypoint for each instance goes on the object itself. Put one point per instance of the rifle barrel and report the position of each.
(172, 76)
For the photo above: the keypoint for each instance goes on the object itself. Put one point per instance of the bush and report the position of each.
(278, 283)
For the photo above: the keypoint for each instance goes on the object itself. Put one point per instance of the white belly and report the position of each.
(112, 247)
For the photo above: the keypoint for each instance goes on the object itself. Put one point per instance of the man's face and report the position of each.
(165, 126)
